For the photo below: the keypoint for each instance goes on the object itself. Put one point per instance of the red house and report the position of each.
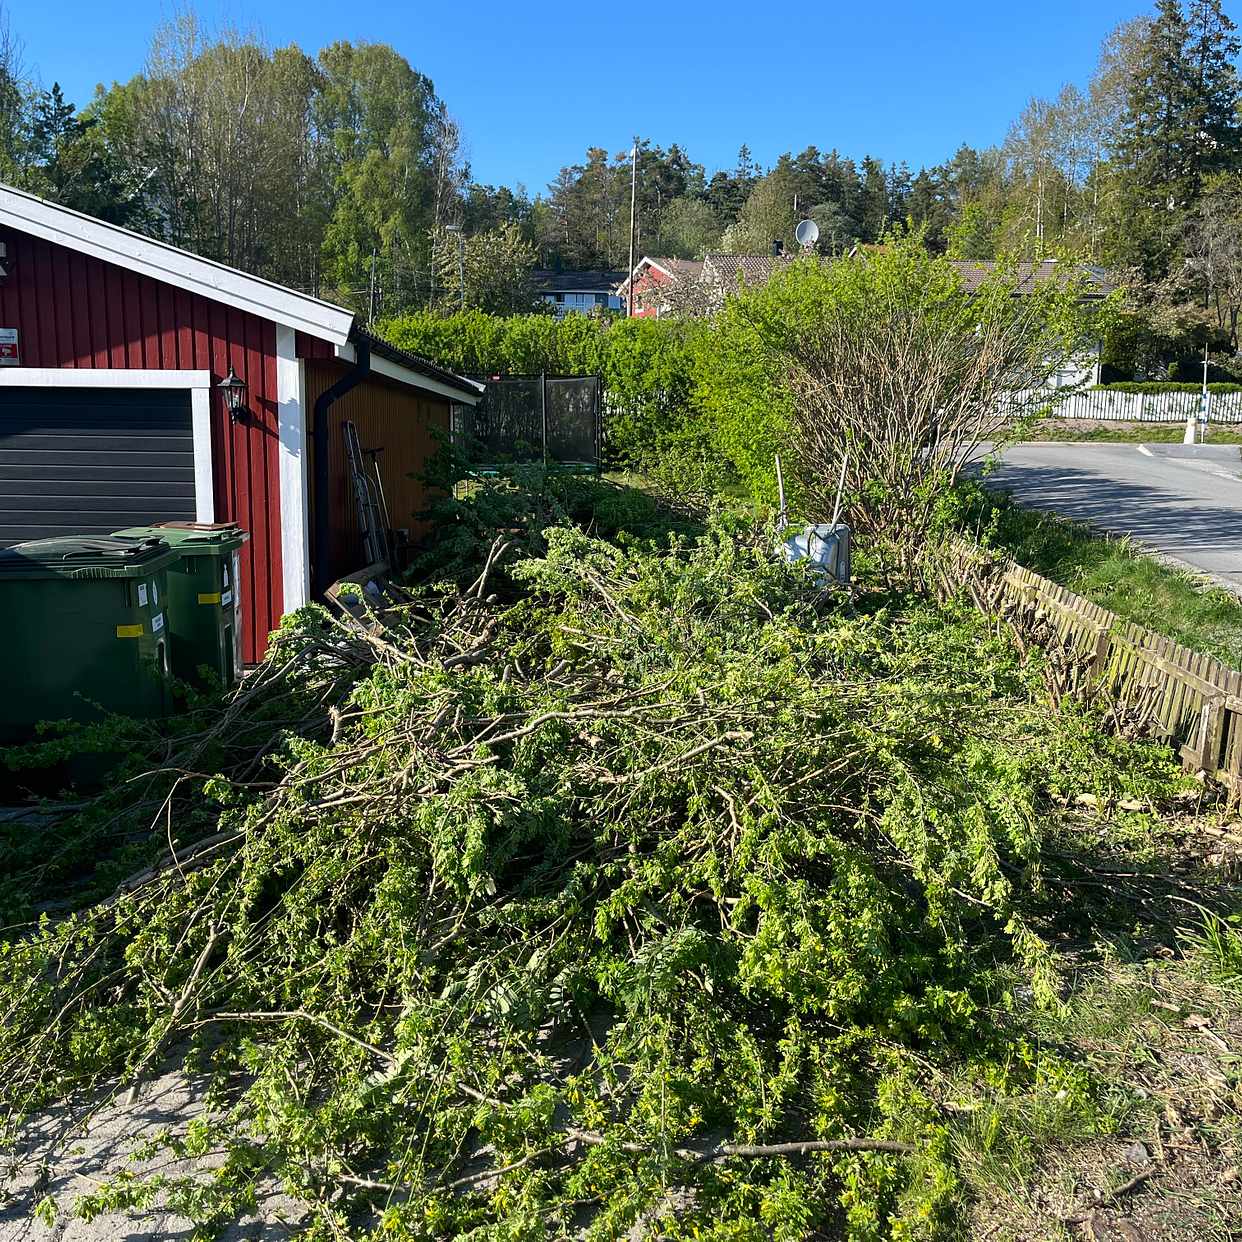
(647, 289)
(112, 350)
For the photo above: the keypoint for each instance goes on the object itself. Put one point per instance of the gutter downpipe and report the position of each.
(323, 403)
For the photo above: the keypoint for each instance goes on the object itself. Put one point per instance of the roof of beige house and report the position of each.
(1030, 276)
(755, 269)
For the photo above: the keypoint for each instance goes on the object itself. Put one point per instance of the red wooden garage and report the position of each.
(112, 350)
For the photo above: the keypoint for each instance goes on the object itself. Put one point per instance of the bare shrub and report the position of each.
(897, 369)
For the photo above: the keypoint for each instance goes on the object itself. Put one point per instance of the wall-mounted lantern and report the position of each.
(6, 263)
(234, 389)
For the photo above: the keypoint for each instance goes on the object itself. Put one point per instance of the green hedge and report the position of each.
(1156, 387)
(696, 403)
(646, 366)
(690, 402)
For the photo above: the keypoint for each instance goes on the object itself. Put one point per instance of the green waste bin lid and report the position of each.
(85, 556)
(191, 538)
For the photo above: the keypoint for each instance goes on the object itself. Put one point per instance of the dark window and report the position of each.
(601, 299)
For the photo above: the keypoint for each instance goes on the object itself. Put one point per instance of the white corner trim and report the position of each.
(645, 261)
(414, 379)
(198, 383)
(204, 484)
(294, 484)
(112, 244)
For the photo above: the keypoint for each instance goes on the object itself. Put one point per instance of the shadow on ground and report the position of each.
(1175, 517)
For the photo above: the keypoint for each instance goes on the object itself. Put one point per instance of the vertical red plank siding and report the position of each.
(99, 352)
(71, 310)
(64, 312)
(46, 307)
(313, 347)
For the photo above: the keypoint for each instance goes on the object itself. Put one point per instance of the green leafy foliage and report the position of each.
(645, 365)
(548, 900)
(509, 511)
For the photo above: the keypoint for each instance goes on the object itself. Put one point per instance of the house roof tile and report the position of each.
(755, 269)
(1030, 276)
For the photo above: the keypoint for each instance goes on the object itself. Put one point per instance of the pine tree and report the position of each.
(1178, 126)
(1214, 136)
(899, 182)
(873, 213)
(928, 206)
(54, 126)
(1180, 119)
(1153, 125)
(69, 162)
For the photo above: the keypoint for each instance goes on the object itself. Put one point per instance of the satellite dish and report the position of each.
(807, 233)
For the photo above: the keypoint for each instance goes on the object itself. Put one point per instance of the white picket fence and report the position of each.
(1165, 407)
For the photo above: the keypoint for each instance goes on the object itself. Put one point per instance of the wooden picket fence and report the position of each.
(1191, 700)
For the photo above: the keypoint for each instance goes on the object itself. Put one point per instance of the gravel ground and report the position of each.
(64, 1169)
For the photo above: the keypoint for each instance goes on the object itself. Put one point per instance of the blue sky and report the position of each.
(533, 84)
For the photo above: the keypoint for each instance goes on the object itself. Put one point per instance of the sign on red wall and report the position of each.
(8, 348)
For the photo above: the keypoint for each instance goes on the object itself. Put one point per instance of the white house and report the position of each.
(581, 292)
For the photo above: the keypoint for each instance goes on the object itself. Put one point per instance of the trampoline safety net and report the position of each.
(532, 418)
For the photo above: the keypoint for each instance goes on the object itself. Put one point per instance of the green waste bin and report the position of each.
(204, 598)
(83, 632)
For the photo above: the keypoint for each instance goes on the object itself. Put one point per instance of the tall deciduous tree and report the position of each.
(221, 129)
(767, 216)
(490, 271)
(687, 229)
(14, 116)
(1213, 251)
(392, 154)
(1031, 149)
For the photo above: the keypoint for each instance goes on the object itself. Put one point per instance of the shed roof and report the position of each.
(419, 365)
(62, 226)
(171, 265)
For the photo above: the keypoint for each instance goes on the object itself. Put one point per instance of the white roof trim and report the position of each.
(649, 262)
(124, 248)
(415, 379)
(91, 377)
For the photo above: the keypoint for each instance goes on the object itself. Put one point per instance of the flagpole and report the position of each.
(629, 301)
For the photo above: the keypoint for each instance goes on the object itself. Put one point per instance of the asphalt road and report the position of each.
(1182, 501)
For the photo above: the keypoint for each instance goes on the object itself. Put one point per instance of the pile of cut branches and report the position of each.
(660, 898)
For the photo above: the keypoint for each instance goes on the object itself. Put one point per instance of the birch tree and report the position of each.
(13, 99)
(1031, 149)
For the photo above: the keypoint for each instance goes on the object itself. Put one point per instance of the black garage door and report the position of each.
(93, 460)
